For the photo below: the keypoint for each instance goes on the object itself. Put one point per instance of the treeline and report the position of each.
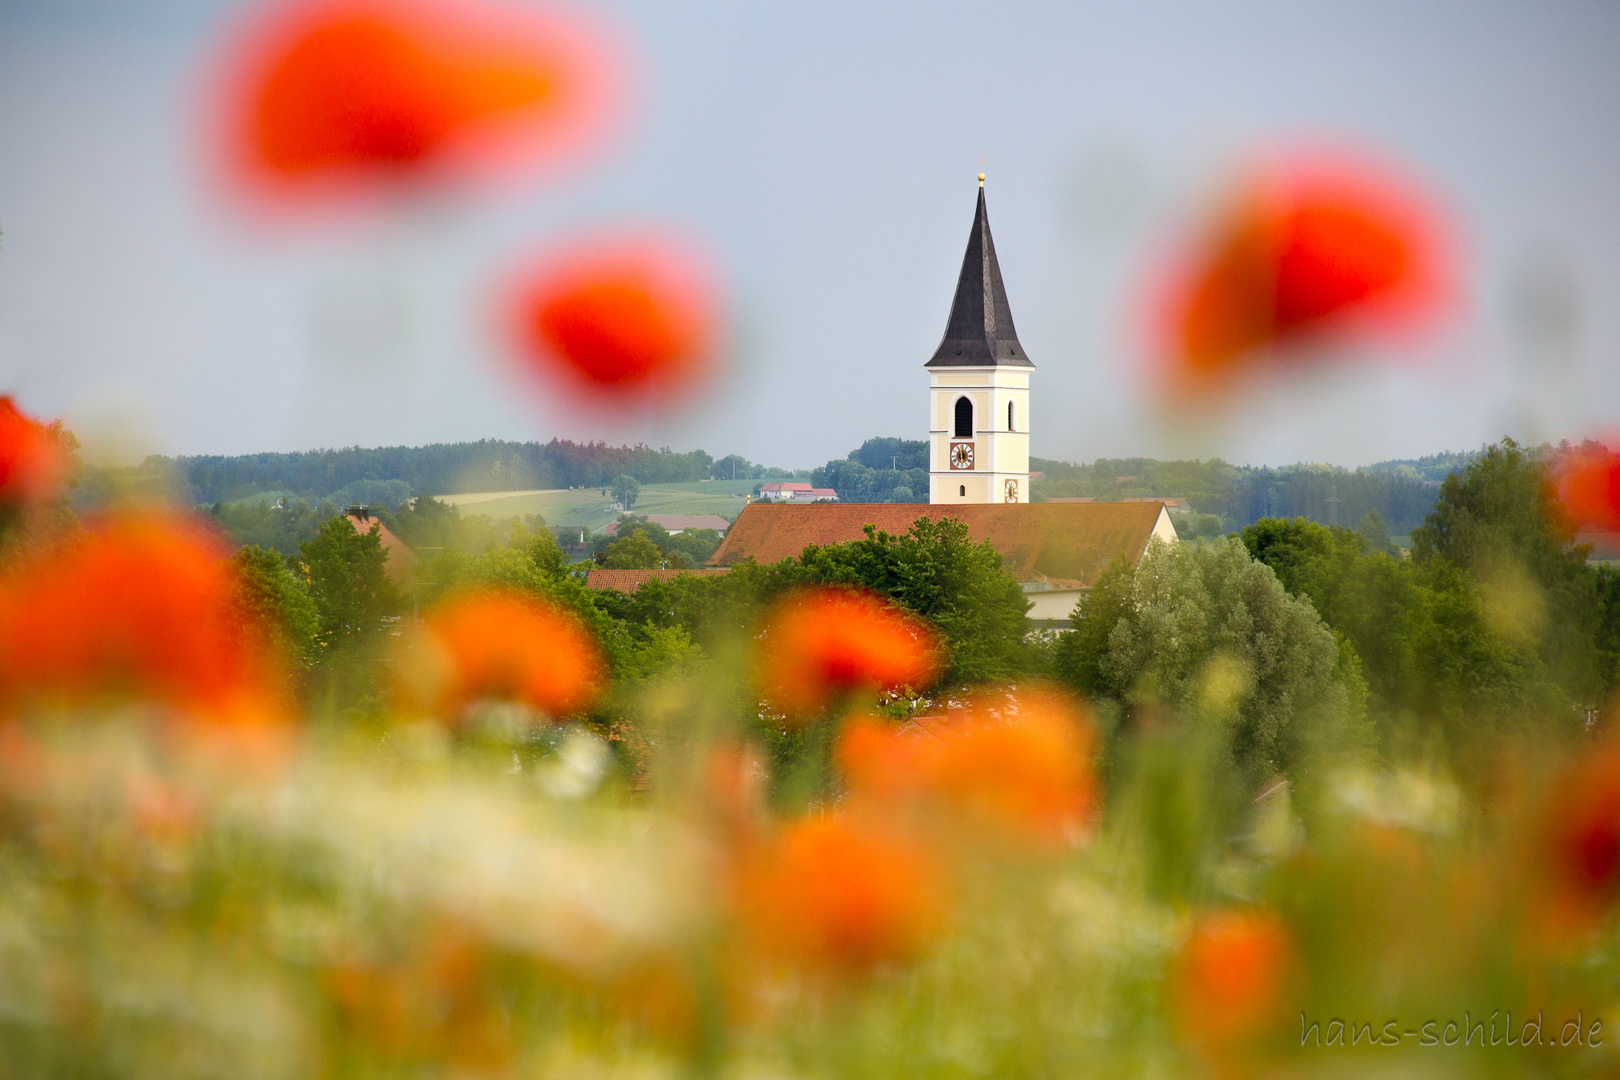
(890, 470)
(1242, 495)
(882, 470)
(439, 469)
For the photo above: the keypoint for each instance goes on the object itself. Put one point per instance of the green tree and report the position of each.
(1207, 633)
(635, 648)
(733, 467)
(348, 585)
(633, 552)
(1194, 526)
(693, 545)
(1500, 523)
(1079, 654)
(624, 490)
(1375, 534)
(1443, 648)
(936, 571)
(271, 599)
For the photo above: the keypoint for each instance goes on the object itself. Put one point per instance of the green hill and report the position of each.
(589, 507)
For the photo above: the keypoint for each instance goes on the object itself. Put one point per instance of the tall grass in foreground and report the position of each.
(196, 882)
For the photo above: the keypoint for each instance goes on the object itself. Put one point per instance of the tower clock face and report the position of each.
(1012, 491)
(962, 455)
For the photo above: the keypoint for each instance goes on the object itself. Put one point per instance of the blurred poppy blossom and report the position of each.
(488, 643)
(1302, 251)
(620, 320)
(824, 642)
(840, 894)
(1589, 488)
(144, 606)
(33, 462)
(1579, 844)
(1023, 772)
(337, 96)
(1230, 980)
(435, 1003)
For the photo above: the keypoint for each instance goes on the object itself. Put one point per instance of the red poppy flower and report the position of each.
(1581, 834)
(1589, 488)
(617, 320)
(493, 644)
(834, 893)
(143, 605)
(1303, 251)
(1021, 770)
(824, 642)
(1230, 979)
(32, 461)
(330, 95)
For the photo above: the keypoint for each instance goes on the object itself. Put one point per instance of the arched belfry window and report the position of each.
(1009, 416)
(964, 418)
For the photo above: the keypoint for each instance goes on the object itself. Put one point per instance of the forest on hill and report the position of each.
(1402, 492)
(880, 470)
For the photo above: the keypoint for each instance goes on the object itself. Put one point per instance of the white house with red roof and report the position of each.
(795, 492)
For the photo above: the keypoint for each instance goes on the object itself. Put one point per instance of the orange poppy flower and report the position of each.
(143, 605)
(1589, 488)
(820, 643)
(1229, 983)
(433, 1003)
(619, 319)
(836, 894)
(489, 643)
(329, 95)
(1025, 772)
(32, 462)
(1304, 250)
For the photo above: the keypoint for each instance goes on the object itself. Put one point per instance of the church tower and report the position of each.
(978, 388)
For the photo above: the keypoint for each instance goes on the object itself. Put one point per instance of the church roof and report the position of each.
(980, 331)
(1074, 541)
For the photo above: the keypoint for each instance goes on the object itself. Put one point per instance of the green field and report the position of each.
(589, 507)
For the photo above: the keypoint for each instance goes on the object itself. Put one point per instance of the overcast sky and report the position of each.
(827, 157)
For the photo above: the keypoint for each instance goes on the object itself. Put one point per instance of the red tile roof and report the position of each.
(402, 560)
(631, 580)
(1064, 540)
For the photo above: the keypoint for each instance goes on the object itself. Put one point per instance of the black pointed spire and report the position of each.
(980, 330)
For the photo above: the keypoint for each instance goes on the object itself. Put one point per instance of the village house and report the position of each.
(796, 492)
(401, 564)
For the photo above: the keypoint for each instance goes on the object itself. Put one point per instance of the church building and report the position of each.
(978, 431)
(978, 387)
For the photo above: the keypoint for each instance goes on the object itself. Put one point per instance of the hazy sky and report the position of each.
(826, 153)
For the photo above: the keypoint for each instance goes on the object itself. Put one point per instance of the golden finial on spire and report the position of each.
(981, 179)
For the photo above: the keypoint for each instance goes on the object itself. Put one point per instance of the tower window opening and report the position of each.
(964, 418)
(961, 489)
(1009, 416)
